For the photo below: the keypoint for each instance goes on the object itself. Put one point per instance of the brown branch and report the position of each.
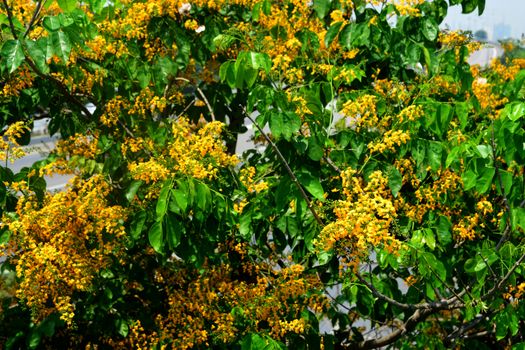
(288, 169)
(10, 19)
(63, 89)
(208, 105)
(445, 304)
(418, 316)
(504, 279)
(38, 9)
(508, 229)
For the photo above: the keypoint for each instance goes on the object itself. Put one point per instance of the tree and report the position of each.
(386, 199)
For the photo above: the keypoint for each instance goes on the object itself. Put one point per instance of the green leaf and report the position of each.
(315, 151)
(484, 180)
(514, 110)
(203, 197)
(434, 154)
(132, 190)
(155, 236)
(284, 124)
(502, 325)
(322, 7)
(137, 224)
(38, 55)
(51, 23)
(260, 61)
(34, 339)
(331, 33)
(430, 28)
(12, 54)
(475, 264)
(462, 113)
(354, 35)
(61, 45)
(162, 202)
(122, 327)
(518, 218)
(469, 179)
(467, 6)
(180, 197)
(444, 230)
(245, 225)
(67, 5)
(481, 7)
(174, 230)
(224, 41)
(395, 181)
(429, 238)
(312, 185)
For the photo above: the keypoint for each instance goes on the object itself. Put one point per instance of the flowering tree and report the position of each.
(385, 200)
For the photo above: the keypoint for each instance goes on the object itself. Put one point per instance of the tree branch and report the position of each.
(288, 169)
(63, 89)
(38, 8)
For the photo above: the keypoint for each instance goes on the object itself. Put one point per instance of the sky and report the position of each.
(507, 12)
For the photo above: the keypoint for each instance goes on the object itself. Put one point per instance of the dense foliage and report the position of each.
(383, 199)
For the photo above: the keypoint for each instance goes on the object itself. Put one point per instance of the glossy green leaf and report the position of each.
(12, 55)
(332, 33)
(174, 230)
(133, 189)
(162, 202)
(137, 224)
(514, 110)
(156, 237)
(430, 28)
(322, 7)
(51, 23)
(395, 181)
(311, 184)
(61, 45)
(38, 55)
(67, 5)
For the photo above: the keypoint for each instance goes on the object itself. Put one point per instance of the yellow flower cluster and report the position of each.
(246, 177)
(488, 99)
(112, 111)
(145, 102)
(23, 79)
(213, 304)
(9, 147)
(392, 90)
(363, 219)
(506, 71)
(429, 197)
(361, 113)
(465, 229)
(410, 113)
(199, 154)
(150, 172)
(391, 139)
(63, 243)
(453, 38)
(408, 7)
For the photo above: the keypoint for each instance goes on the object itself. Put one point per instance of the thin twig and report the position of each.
(35, 69)
(505, 278)
(288, 169)
(130, 133)
(202, 96)
(185, 109)
(29, 26)
(451, 303)
(10, 19)
(507, 232)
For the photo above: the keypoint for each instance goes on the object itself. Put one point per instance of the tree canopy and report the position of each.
(382, 204)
